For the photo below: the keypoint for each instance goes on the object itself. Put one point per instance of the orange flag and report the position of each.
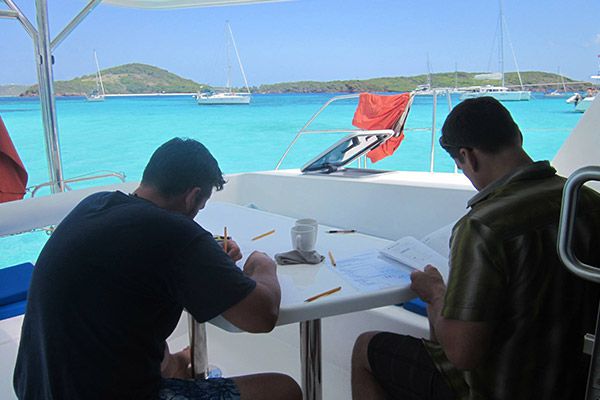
(13, 176)
(381, 112)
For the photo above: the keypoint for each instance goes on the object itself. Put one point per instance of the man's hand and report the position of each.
(428, 284)
(258, 312)
(233, 250)
(258, 259)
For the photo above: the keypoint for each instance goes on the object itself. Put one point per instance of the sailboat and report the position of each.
(557, 92)
(501, 93)
(227, 95)
(97, 94)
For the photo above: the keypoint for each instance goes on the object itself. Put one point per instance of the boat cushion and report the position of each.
(13, 309)
(14, 283)
(416, 305)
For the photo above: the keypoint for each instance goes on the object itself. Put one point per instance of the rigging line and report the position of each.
(512, 49)
(489, 64)
(238, 57)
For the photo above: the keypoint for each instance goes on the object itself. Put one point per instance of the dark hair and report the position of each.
(182, 164)
(481, 123)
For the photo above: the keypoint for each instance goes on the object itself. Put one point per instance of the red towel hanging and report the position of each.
(382, 112)
(13, 176)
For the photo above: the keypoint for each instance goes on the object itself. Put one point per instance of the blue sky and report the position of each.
(315, 39)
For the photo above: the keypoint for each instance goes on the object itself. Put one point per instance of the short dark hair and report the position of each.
(481, 123)
(181, 164)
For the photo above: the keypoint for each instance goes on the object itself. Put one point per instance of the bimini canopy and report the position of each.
(166, 4)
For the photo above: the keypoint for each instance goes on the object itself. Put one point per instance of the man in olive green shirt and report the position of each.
(510, 322)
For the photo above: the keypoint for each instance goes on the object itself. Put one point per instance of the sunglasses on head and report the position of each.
(452, 149)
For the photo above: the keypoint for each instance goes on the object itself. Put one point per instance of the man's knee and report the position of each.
(272, 386)
(360, 353)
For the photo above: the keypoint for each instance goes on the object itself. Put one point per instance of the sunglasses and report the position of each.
(452, 149)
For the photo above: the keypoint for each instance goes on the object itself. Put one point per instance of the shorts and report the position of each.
(405, 370)
(198, 389)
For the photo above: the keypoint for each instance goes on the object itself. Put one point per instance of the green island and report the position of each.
(146, 79)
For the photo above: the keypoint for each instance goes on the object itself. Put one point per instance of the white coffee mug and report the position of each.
(310, 222)
(304, 237)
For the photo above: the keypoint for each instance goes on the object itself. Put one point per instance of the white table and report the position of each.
(299, 282)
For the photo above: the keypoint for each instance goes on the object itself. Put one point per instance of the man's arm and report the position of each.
(465, 343)
(258, 312)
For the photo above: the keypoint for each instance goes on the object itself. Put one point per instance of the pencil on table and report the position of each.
(332, 259)
(327, 293)
(341, 231)
(225, 239)
(264, 234)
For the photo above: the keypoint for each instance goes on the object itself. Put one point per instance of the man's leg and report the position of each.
(391, 366)
(364, 384)
(269, 386)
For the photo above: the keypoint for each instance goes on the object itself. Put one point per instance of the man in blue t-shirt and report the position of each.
(113, 279)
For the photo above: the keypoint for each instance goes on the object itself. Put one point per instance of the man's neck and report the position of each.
(152, 195)
(503, 164)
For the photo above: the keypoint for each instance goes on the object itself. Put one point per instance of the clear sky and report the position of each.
(315, 39)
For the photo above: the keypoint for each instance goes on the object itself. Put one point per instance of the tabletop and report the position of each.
(299, 282)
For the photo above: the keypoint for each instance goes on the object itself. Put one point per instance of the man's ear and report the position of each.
(193, 197)
(470, 158)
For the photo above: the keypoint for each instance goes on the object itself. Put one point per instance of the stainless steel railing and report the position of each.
(88, 177)
(304, 130)
(565, 251)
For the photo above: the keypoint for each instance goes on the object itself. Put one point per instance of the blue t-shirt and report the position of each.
(108, 289)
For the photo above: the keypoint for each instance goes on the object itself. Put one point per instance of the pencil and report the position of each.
(332, 259)
(264, 234)
(327, 293)
(225, 239)
(341, 231)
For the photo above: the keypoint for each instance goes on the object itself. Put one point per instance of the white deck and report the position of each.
(383, 206)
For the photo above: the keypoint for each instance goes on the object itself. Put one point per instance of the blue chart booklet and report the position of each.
(392, 265)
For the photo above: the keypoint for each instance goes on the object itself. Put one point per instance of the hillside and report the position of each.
(142, 78)
(126, 79)
(12, 90)
(540, 80)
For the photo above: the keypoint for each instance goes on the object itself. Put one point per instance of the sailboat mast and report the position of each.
(237, 54)
(227, 39)
(98, 74)
(501, 46)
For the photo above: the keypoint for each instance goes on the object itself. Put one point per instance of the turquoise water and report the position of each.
(121, 133)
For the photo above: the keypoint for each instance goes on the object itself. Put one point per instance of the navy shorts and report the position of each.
(404, 369)
(198, 389)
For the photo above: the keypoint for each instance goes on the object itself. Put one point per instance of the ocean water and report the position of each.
(121, 133)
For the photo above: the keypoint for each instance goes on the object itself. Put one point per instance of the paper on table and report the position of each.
(369, 271)
(417, 255)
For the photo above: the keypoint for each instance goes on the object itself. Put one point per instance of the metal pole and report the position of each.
(310, 359)
(73, 24)
(46, 89)
(432, 154)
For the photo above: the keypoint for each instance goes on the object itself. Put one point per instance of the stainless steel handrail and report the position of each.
(120, 175)
(304, 130)
(565, 251)
(567, 224)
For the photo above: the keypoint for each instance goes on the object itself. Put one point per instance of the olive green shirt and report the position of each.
(505, 271)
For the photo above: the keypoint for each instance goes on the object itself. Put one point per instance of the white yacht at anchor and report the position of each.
(226, 95)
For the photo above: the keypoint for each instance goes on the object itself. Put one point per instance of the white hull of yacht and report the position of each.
(223, 99)
(584, 104)
(517, 95)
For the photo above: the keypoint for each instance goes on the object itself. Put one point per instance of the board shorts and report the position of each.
(198, 389)
(405, 370)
